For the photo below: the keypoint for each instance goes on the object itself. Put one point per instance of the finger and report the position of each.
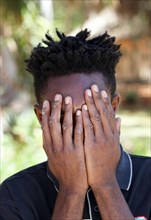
(88, 126)
(118, 125)
(54, 121)
(111, 113)
(67, 125)
(47, 149)
(94, 115)
(101, 108)
(45, 125)
(78, 131)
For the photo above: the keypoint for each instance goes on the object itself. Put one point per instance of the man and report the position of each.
(87, 175)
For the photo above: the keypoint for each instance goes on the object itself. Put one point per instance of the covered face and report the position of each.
(74, 85)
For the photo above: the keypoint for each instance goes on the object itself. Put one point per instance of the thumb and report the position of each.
(118, 125)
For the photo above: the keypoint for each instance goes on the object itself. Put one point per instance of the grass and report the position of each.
(21, 144)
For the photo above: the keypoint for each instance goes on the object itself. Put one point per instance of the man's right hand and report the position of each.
(65, 154)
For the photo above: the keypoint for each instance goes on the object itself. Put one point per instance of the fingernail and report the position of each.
(104, 94)
(85, 107)
(67, 100)
(57, 97)
(89, 92)
(95, 88)
(78, 113)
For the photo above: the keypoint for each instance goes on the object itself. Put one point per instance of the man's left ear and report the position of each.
(38, 112)
(115, 102)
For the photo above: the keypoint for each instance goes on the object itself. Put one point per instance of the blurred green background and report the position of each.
(23, 25)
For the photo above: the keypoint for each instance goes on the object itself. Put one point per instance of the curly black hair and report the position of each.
(72, 55)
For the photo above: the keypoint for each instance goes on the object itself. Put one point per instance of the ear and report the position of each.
(38, 112)
(115, 102)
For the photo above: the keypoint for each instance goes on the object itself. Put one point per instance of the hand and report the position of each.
(101, 144)
(65, 154)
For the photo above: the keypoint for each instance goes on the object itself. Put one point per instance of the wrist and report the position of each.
(72, 190)
(103, 183)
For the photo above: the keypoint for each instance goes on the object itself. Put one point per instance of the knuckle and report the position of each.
(66, 125)
(53, 121)
(104, 112)
(89, 125)
(78, 131)
(96, 117)
(55, 150)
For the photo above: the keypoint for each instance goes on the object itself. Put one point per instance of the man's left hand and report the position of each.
(101, 142)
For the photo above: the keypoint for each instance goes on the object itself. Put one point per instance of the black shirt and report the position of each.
(31, 193)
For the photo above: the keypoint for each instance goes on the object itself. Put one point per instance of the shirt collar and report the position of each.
(123, 172)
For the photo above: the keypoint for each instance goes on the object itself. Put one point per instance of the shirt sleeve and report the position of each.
(8, 211)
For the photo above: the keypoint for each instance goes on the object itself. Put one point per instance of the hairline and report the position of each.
(40, 99)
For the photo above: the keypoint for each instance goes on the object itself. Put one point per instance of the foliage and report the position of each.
(131, 97)
(23, 32)
(23, 24)
(21, 143)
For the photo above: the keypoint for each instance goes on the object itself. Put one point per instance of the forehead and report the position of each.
(73, 85)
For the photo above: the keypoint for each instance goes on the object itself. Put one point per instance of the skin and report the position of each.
(83, 145)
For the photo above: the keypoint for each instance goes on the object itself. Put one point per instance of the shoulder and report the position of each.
(140, 160)
(141, 167)
(26, 191)
(30, 170)
(26, 175)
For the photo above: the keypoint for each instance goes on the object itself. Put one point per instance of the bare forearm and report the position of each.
(111, 203)
(69, 206)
